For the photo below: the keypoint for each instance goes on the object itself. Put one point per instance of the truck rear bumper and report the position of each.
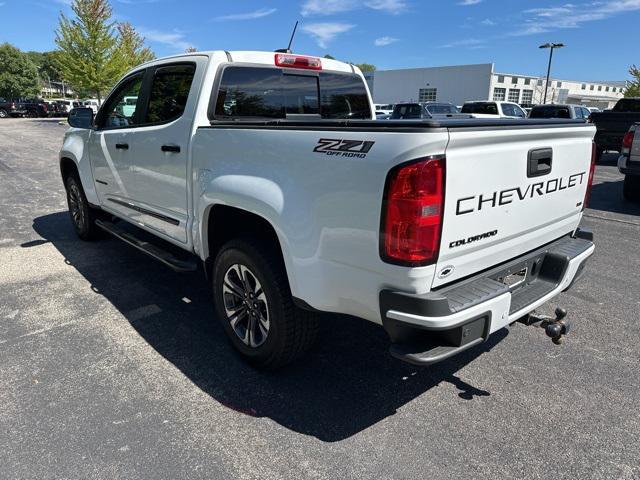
(627, 167)
(427, 328)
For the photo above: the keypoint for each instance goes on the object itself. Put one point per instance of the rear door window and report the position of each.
(407, 111)
(168, 95)
(550, 111)
(255, 92)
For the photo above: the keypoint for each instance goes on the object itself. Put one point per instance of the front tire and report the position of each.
(253, 302)
(82, 215)
(3, 113)
(631, 188)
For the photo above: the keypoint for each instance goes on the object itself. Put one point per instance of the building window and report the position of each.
(540, 82)
(514, 95)
(499, 94)
(590, 87)
(606, 89)
(500, 78)
(614, 89)
(514, 80)
(527, 97)
(558, 84)
(599, 88)
(527, 81)
(427, 94)
(584, 86)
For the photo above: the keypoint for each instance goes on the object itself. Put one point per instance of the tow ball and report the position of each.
(555, 328)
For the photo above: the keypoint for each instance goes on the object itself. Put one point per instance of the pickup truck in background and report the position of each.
(270, 171)
(24, 108)
(629, 163)
(612, 124)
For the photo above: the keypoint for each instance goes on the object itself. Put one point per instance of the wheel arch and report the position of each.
(222, 223)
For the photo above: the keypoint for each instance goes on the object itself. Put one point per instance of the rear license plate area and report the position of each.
(520, 274)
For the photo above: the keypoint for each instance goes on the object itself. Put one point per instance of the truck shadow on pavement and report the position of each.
(607, 197)
(348, 383)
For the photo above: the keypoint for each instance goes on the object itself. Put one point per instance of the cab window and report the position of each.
(119, 111)
(169, 93)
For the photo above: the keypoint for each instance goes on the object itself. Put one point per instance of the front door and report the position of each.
(111, 146)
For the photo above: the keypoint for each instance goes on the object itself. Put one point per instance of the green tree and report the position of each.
(633, 88)
(131, 48)
(330, 57)
(89, 51)
(18, 75)
(366, 67)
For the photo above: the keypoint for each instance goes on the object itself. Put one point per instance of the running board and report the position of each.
(155, 251)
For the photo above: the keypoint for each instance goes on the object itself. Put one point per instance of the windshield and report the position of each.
(486, 108)
(442, 108)
(407, 110)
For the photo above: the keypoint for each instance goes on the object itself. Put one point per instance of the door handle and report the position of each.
(170, 148)
(122, 146)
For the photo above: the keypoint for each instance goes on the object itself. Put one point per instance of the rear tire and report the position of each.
(631, 188)
(83, 216)
(3, 113)
(253, 302)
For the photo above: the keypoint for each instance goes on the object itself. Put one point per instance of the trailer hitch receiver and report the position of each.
(555, 328)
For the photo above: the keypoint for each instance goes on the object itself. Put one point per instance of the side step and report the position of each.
(161, 254)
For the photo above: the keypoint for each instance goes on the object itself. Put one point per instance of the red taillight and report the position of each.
(412, 217)
(592, 171)
(627, 140)
(298, 61)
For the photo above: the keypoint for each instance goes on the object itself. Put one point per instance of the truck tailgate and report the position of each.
(509, 191)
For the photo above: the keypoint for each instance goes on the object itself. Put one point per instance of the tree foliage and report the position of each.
(131, 47)
(18, 75)
(366, 67)
(633, 88)
(94, 50)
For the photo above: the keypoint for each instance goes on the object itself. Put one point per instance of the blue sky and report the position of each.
(388, 33)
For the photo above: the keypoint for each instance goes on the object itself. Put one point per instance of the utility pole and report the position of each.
(550, 46)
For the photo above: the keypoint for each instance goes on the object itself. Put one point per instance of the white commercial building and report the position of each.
(458, 84)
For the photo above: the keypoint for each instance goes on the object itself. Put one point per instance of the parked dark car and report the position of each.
(612, 124)
(8, 108)
(409, 111)
(560, 111)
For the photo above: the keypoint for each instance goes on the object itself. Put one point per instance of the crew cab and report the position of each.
(484, 109)
(613, 124)
(556, 110)
(269, 172)
(629, 163)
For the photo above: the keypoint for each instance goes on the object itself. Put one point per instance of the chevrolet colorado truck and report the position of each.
(270, 171)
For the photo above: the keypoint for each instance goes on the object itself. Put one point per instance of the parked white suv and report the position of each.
(271, 172)
(489, 109)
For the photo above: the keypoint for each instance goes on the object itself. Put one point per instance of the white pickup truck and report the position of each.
(270, 171)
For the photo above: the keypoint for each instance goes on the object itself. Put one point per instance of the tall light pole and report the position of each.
(550, 46)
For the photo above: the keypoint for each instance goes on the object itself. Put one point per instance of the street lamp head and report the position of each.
(546, 45)
(552, 45)
(558, 45)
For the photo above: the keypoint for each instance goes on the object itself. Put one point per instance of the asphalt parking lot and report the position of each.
(113, 366)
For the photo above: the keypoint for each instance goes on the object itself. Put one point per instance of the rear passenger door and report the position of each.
(161, 147)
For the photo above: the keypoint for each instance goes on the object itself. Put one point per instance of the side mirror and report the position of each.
(81, 118)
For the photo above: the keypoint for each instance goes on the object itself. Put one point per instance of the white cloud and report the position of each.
(572, 16)
(382, 41)
(175, 38)
(468, 42)
(487, 22)
(331, 7)
(262, 12)
(391, 6)
(466, 3)
(324, 33)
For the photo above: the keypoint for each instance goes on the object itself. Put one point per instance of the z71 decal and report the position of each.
(344, 148)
